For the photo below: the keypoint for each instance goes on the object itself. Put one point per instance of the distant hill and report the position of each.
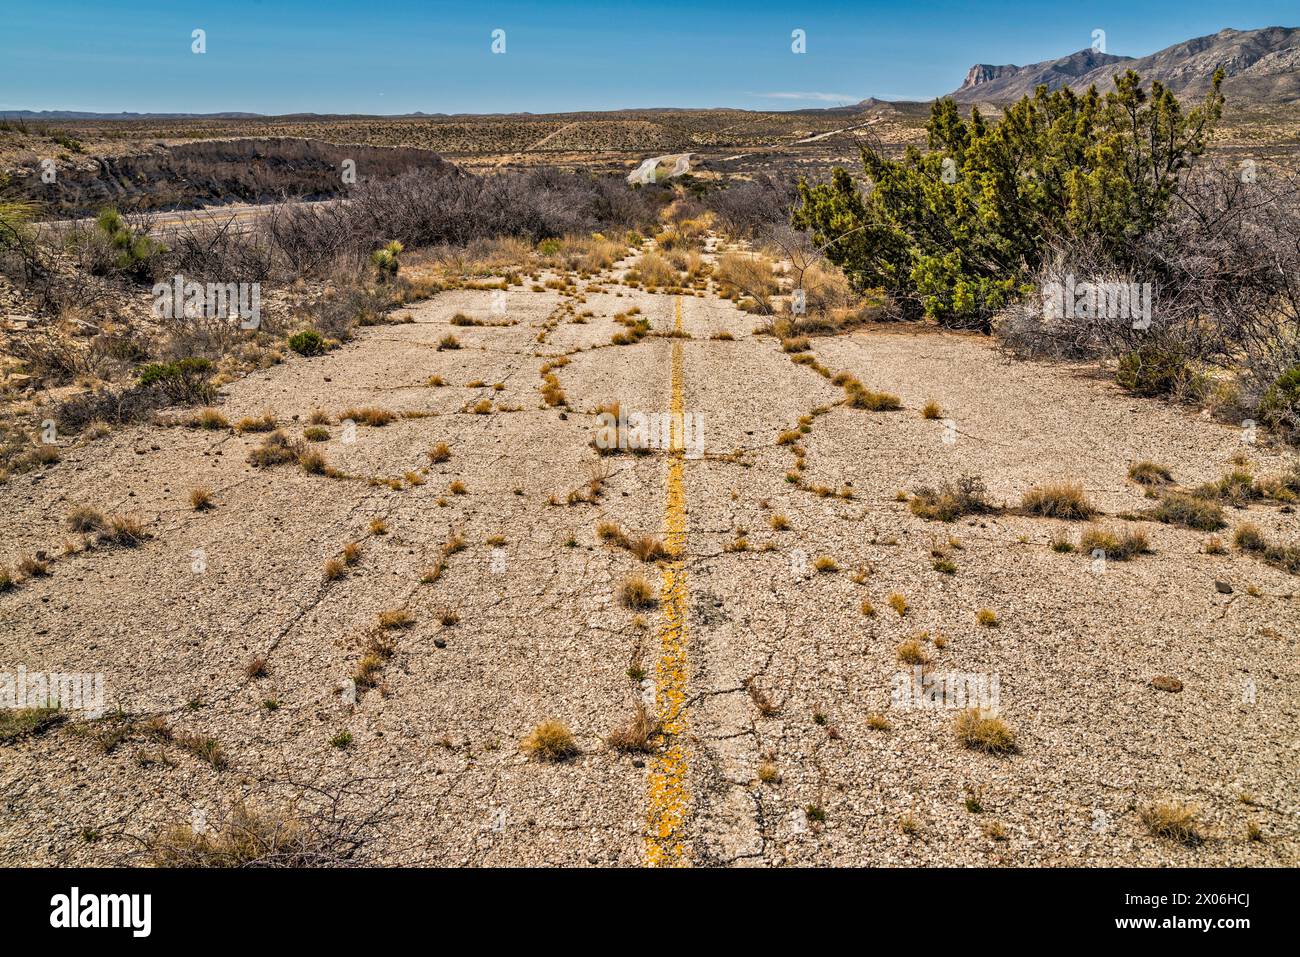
(1260, 66)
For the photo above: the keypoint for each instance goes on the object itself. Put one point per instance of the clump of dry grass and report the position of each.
(648, 548)
(912, 652)
(448, 342)
(952, 500)
(395, 619)
(988, 618)
(203, 747)
(898, 603)
(201, 499)
(1177, 508)
(779, 522)
(85, 519)
(550, 741)
(825, 565)
(276, 449)
(1150, 473)
(981, 732)
(877, 721)
(768, 773)
(1249, 538)
(766, 707)
(334, 569)
(368, 415)
(378, 526)
(1177, 822)
(860, 397)
(637, 733)
(439, 453)
(124, 530)
(266, 422)
(33, 566)
(931, 410)
(1058, 500)
(256, 668)
(1119, 546)
(209, 419)
(637, 593)
(247, 838)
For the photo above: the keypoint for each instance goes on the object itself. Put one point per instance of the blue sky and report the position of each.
(395, 56)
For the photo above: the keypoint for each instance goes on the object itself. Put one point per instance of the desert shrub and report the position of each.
(117, 247)
(1280, 406)
(1151, 370)
(748, 209)
(183, 381)
(307, 342)
(956, 233)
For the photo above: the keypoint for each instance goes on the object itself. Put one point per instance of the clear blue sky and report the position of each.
(399, 56)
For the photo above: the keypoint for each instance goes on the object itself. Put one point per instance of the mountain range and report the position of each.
(1259, 66)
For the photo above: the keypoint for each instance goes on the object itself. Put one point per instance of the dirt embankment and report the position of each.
(191, 175)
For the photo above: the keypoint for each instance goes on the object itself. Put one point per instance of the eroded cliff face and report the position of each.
(213, 171)
(984, 72)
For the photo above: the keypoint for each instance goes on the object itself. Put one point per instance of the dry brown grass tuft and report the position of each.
(981, 732)
(912, 652)
(247, 838)
(439, 453)
(931, 410)
(648, 548)
(1119, 546)
(638, 593)
(396, 618)
(1150, 473)
(124, 530)
(550, 741)
(334, 569)
(637, 733)
(1058, 500)
(266, 422)
(368, 415)
(952, 500)
(201, 499)
(85, 519)
(209, 419)
(1176, 822)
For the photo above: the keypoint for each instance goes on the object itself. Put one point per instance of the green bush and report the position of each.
(958, 231)
(1280, 406)
(386, 261)
(185, 380)
(126, 251)
(308, 342)
(1152, 371)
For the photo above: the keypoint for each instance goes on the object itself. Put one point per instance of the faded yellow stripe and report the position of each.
(668, 795)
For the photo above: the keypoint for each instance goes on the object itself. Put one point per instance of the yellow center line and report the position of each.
(668, 797)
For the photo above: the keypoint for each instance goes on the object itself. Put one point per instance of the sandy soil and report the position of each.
(435, 751)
